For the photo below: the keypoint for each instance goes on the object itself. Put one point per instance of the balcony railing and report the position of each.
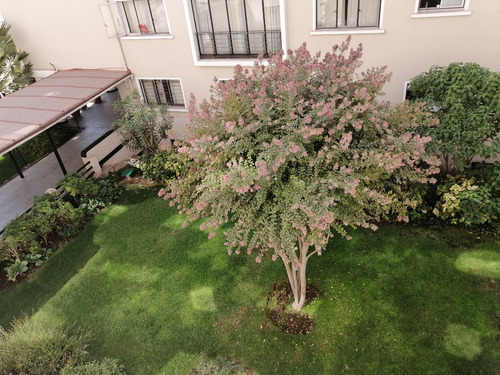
(238, 43)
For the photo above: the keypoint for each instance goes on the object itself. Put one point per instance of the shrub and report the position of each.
(464, 96)
(78, 186)
(50, 214)
(472, 199)
(163, 166)
(142, 125)
(105, 367)
(32, 348)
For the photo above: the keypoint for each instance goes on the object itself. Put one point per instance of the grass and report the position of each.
(402, 300)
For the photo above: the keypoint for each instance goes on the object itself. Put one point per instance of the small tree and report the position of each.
(297, 149)
(14, 72)
(142, 125)
(466, 99)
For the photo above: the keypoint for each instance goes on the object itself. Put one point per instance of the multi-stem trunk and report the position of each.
(296, 272)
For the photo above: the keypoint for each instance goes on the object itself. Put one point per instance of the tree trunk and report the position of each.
(296, 272)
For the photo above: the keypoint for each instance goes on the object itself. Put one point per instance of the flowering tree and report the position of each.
(296, 150)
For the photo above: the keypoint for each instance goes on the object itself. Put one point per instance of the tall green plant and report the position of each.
(465, 97)
(14, 72)
(142, 125)
(296, 150)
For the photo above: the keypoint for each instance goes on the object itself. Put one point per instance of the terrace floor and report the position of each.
(16, 196)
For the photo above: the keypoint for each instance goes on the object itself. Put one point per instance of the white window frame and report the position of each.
(131, 35)
(347, 30)
(441, 12)
(171, 107)
(230, 62)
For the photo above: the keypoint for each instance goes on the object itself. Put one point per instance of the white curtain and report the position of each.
(145, 16)
(347, 13)
(239, 26)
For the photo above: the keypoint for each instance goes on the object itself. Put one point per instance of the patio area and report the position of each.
(16, 196)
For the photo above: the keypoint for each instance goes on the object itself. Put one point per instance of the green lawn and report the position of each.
(402, 300)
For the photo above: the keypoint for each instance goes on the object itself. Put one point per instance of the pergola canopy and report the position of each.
(35, 108)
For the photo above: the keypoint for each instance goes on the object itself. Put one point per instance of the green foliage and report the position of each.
(164, 165)
(78, 186)
(15, 269)
(470, 200)
(220, 366)
(107, 366)
(32, 348)
(142, 125)
(14, 72)
(50, 214)
(297, 150)
(464, 96)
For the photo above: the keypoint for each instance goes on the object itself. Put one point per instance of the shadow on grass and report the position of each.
(31, 294)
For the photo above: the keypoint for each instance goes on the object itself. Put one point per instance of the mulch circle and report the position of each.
(293, 322)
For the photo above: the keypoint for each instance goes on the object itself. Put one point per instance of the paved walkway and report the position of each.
(16, 196)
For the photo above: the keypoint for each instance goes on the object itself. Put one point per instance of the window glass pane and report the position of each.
(159, 16)
(236, 27)
(144, 17)
(452, 3)
(347, 13)
(369, 11)
(132, 21)
(326, 13)
(441, 4)
(176, 92)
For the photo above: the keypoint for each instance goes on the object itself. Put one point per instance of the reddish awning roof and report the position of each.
(35, 108)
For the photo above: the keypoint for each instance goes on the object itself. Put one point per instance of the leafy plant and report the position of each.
(142, 125)
(32, 348)
(15, 269)
(78, 186)
(107, 366)
(14, 72)
(296, 150)
(467, 201)
(164, 165)
(464, 96)
(219, 366)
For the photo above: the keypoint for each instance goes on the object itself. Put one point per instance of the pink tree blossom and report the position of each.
(309, 150)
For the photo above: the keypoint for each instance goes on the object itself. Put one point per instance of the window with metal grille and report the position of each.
(332, 14)
(162, 91)
(237, 28)
(440, 4)
(144, 16)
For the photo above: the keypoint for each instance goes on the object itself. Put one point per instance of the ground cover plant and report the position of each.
(163, 299)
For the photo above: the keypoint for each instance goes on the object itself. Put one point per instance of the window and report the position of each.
(236, 28)
(144, 16)
(347, 13)
(440, 4)
(162, 91)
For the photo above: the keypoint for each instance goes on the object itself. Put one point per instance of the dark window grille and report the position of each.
(347, 13)
(237, 28)
(162, 91)
(145, 16)
(441, 4)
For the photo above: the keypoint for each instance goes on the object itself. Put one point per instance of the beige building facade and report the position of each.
(175, 48)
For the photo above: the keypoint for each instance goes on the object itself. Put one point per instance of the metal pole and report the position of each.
(58, 157)
(19, 172)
